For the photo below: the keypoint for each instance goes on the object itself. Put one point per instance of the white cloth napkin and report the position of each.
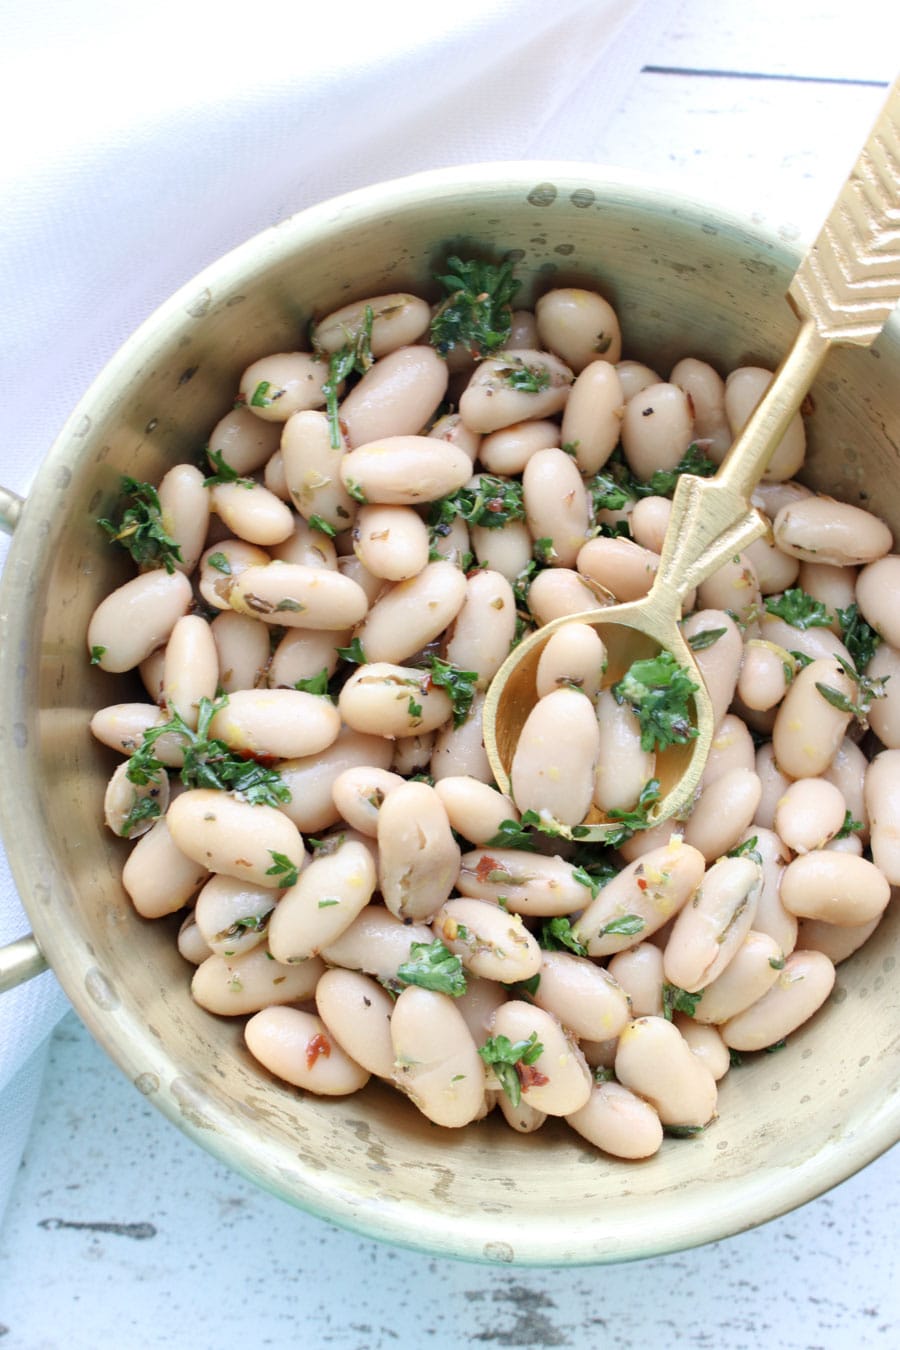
(144, 141)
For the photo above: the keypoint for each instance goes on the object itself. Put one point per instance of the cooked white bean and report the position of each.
(619, 565)
(775, 571)
(635, 376)
(359, 792)
(774, 785)
(298, 597)
(705, 388)
(276, 386)
(816, 643)
(731, 748)
(252, 512)
(531, 883)
(235, 986)
(158, 876)
(556, 504)
(357, 1011)
(484, 627)
(833, 586)
(459, 750)
(391, 541)
(278, 723)
(734, 587)
(191, 667)
(639, 971)
(799, 991)
(306, 545)
(330, 893)
(555, 757)
(618, 1122)
(233, 915)
(808, 728)
(720, 663)
(578, 325)
(574, 655)
(835, 887)
(295, 1046)
(125, 803)
(404, 470)
(706, 1043)
(376, 943)
(723, 812)
(836, 941)
(559, 1080)
(490, 942)
(312, 470)
(413, 613)
(524, 1119)
(750, 973)
(244, 442)
(657, 428)
(136, 618)
(878, 597)
(810, 813)
(765, 674)
(412, 754)
(190, 942)
(884, 714)
(491, 399)
(382, 699)
(398, 319)
(743, 390)
(649, 521)
(523, 332)
(453, 543)
(655, 1061)
(582, 996)
(311, 778)
(242, 650)
(436, 1062)
(592, 419)
(508, 450)
(231, 836)
(820, 529)
(452, 428)
(771, 916)
(708, 931)
(650, 890)
(622, 767)
(222, 564)
(479, 1004)
(882, 794)
(558, 591)
(274, 479)
(184, 506)
(303, 653)
(475, 810)
(395, 397)
(419, 858)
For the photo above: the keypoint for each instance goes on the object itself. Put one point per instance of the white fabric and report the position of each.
(143, 141)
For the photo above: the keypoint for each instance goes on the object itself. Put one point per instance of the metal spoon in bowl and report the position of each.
(844, 292)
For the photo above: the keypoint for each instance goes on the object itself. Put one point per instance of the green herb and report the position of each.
(664, 481)
(735, 1058)
(353, 653)
(208, 762)
(627, 925)
(676, 1000)
(141, 530)
(523, 581)
(850, 826)
(544, 551)
(747, 849)
(327, 904)
(260, 396)
(705, 639)
(557, 934)
(413, 708)
(570, 448)
(491, 502)
(317, 684)
(868, 690)
(459, 685)
(511, 834)
(860, 638)
(526, 379)
(97, 655)
(224, 473)
(603, 1075)
(283, 869)
(143, 808)
(249, 923)
(799, 609)
(584, 878)
(317, 523)
(355, 491)
(632, 821)
(477, 313)
(776, 962)
(774, 1047)
(354, 357)
(289, 606)
(609, 490)
(658, 690)
(504, 1057)
(802, 659)
(432, 966)
(529, 986)
(683, 1131)
(220, 563)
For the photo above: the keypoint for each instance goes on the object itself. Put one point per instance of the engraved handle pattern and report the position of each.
(849, 281)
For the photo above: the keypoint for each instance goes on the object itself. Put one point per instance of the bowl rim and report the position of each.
(34, 870)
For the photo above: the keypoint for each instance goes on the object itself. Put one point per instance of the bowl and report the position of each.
(686, 279)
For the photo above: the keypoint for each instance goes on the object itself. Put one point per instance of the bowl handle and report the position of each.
(20, 961)
(10, 509)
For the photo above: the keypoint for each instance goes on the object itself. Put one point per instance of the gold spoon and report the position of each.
(844, 292)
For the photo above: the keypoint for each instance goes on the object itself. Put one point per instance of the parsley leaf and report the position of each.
(413, 708)
(354, 653)
(632, 821)
(141, 530)
(97, 655)
(317, 684)
(658, 691)
(220, 562)
(224, 473)
(459, 684)
(798, 609)
(868, 690)
(703, 640)
(526, 379)
(850, 826)
(505, 1057)
(477, 313)
(317, 523)
(860, 638)
(354, 356)
(260, 396)
(747, 849)
(544, 551)
(627, 925)
(556, 934)
(432, 966)
(282, 868)
(664, 481)
(511, 834)
(143, 808)
(676, 999)
(492, 502)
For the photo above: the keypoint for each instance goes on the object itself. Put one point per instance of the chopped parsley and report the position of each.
(526, 379)
(209, 762)
(354, 357)
(282, 868)
(868, 690)
(220, 563)
(260, 396)
(354, 653)
(317, 523)
(850, 826)
(776, 962)
(432, 966)
(632, 821)
(414, 709)
(747, 849)
(97, 654)
(505, 1058)
(144, 808)
(477, 313)
(544, 551)
(141, 530)
(355, 491)
(492, 502)
(705, 639)
(557, 934)
(664, 481)
(676, 999)
(798, 609)
(658, 690)
(459, 685)
(316, 684)
(224, 473)
(627, 925)
(860, 638)
(615, 486)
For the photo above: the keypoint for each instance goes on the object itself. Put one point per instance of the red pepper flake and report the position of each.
(486, 866)
(494, 504)
(529, 1076)
(316, 1046)
(642, 884)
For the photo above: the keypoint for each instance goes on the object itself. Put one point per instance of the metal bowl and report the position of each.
(686, 279)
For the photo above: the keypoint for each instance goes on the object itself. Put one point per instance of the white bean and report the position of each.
(235, 986)
(136, 618)
(396, 396)
(555, 757)
(579, 325)
(419, 858)
(330, 893)
(655, 1061)
(436, 1062)
(295, 1046)
(799, 991)
(618, 1122)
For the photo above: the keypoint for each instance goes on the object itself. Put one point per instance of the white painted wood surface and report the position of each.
(122, 1234)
